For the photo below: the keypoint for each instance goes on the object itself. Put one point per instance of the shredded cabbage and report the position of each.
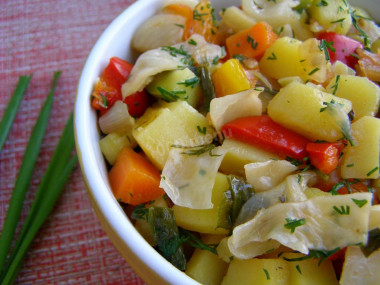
(162, 59)
(266, 175)
(227, 108)
(191, 188)
(328, 222)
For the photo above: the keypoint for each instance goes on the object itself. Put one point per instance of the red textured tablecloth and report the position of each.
(40, 37)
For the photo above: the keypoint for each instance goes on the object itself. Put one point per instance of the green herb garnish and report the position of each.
(360, 203)
(272, 57)
(266, 273)
(324, 46)
(372, 171)
(335, 86)
(313, 71)
(190, 82)
(252, 42)
(321, 254)
(342, 210)
(292, 224)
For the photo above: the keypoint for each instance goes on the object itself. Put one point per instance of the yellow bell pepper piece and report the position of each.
(230, 78)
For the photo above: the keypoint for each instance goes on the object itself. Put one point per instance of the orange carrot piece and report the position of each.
(134, 180)
(204, 21)
(252, 42)
(200, 21)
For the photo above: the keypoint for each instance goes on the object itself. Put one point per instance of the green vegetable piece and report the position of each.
(25, 174)
(373, 243)
(207, 89)
(234, 199)
(166, 234)
(181, 84)
(13, 105)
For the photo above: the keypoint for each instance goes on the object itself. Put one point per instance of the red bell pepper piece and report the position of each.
(263, 132)
(341, 48)
(325, 156)
(116, 72)
(108, 89)
(137, 103)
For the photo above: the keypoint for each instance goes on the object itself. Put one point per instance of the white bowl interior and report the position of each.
(115, 41)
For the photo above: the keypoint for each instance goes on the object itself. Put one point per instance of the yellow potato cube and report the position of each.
(172, 123)
(205, 220)
(257, 271)
(362, 160)
(113, 143)
(206, 267)
(363, 93)
(309, 271)
(298, 107)
(334, 17)
(239, 154)
(287, 58)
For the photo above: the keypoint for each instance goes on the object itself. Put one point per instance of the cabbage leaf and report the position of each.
(321, 223)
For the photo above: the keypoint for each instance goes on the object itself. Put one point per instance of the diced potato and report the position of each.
(288, 57)
(363, 93)
(239, 154)
(230, 78)
(206, 220)
(309, 271)
(181, 83)
(374, 217)
(298, 107)
(206, 267)
(173, 123)
(358, 269)
(334, 16)
(257, 271)
(113, 143)
(362, 160)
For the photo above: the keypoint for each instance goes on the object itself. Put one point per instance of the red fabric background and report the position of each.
(40, 37)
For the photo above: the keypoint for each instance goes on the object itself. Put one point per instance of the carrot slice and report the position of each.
(204, 21)
(200, 21)
(252, 42)
(134, 180)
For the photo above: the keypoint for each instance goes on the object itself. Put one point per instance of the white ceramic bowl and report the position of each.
(115, 41)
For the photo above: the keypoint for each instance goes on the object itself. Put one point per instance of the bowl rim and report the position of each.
(143, 258)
